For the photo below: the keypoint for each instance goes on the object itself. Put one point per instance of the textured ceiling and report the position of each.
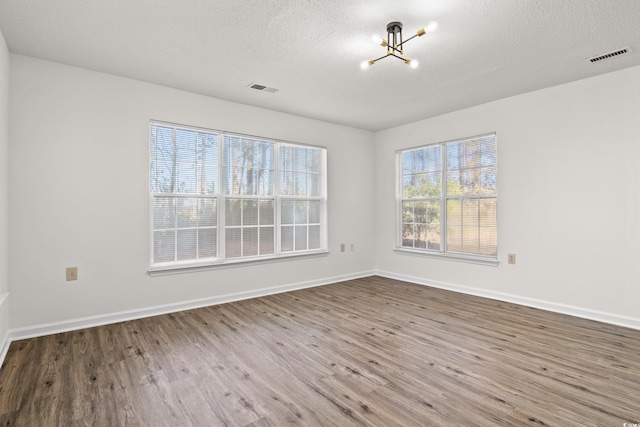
(311, 49)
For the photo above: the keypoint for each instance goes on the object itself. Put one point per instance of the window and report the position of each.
(447, 198)
(220, 198)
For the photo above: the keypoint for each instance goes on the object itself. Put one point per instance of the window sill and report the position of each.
(490, 261)
(191, 268)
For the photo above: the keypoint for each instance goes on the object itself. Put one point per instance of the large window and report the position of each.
(219, 198)
(447, 198)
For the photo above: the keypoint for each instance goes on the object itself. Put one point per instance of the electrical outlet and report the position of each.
(72, 273)
(511, 258)
(352, 248)
(341, 247)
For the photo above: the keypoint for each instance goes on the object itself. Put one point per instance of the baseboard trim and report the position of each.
(604, 317)
(4, 347)
(6, 341)
(99, 320)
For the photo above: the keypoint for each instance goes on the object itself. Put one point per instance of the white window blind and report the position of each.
(184, 183)
(218, 197)
(447, 197)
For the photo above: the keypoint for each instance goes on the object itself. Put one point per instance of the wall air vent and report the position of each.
(262, 88)
(609, 55)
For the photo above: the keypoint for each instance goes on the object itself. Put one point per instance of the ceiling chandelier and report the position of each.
(395, 44)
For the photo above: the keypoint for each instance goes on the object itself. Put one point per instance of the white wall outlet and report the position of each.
(352, 247)
(72, 273)
(511, 258)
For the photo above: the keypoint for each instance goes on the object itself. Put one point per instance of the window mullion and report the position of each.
(478, 223)
(258, 226)
(443, 199)
(198, 201)
(174, 177)
(198, 229)
(308, 220)
(152, 227)
(414, 225)
(175, 228)
(174, 186)
(222, 202)
(277, 201)
(203, 167)
(399, 196)
(242, 227)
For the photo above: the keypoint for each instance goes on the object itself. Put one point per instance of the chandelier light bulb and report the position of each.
(378, 40)
(411, 62)
(364, 65)
(431, 26)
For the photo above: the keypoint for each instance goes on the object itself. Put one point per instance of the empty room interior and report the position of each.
(362, 213)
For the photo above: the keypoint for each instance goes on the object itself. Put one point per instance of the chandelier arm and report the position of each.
(378, 59)
(397, 56)
(388, 54)
(411, 38)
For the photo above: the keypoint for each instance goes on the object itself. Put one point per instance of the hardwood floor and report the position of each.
(367, 352)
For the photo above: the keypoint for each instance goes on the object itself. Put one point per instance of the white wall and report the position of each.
(79, 193)
(569, 194)
(4, 186)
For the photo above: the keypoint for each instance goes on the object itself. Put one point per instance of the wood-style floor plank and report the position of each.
(366, 352)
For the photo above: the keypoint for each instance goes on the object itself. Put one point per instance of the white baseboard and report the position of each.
(4, 344)
(99, 320)
(4, 347)
(614, 319)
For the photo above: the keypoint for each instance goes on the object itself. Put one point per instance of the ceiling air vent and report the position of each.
(262, 88)
(609, 55)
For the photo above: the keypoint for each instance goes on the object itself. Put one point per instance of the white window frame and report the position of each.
(221, 198)
(442, 252)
